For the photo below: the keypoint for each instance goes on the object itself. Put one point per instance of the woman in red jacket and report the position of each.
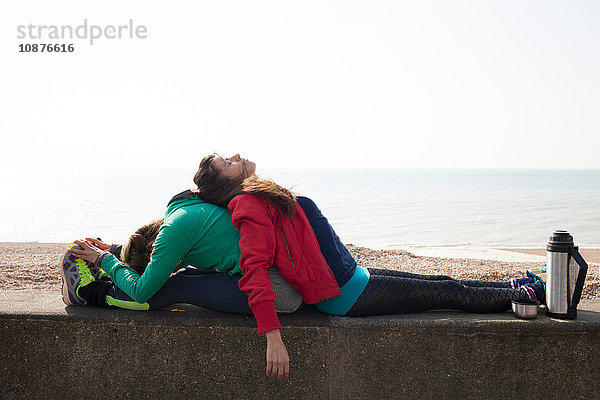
(275, 231)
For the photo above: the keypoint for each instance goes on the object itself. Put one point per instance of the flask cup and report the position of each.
(565, 276)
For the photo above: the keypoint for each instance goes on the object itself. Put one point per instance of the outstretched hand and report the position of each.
(278, 360)
(88, 251)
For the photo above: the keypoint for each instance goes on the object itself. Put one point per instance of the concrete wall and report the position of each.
(52, 351)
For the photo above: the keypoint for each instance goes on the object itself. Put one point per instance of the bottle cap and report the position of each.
(560, 241)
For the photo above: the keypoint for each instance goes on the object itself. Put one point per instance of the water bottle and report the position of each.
(565, 275)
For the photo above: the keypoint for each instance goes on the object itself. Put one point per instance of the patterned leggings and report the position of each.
(393, 292)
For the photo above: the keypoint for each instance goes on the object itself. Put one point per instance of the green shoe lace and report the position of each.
(85, 275)
(102, 273)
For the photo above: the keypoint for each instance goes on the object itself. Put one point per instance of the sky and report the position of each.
(305, 84)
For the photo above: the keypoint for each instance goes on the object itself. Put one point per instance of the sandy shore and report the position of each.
(35, 265)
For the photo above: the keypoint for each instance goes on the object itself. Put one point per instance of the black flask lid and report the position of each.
(560, 241)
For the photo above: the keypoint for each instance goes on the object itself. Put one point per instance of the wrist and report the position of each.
(274, 334)
(100, 258)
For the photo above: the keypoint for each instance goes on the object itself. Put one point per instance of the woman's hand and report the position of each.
(89, 252)
(99, 243)
(278, 361)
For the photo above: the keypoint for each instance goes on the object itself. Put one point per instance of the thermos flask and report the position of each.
(565, 275)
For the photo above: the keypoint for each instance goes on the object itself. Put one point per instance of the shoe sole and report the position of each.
(65, 289)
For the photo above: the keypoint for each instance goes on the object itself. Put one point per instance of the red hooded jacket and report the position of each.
(268, 239)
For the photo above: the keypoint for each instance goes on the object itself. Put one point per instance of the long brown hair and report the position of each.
(216, 188)
(136, 251)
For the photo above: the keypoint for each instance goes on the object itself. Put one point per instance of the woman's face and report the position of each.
(234, 166)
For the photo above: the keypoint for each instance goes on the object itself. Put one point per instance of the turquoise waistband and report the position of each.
(351, 291)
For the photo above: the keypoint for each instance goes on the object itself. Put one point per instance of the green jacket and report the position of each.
(194, 233)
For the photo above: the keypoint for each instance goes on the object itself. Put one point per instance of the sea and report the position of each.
(382, 209)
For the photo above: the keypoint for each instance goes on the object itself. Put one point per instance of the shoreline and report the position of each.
(506, 254)
(34, 265)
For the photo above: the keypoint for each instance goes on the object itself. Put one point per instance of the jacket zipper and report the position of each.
(286, 246)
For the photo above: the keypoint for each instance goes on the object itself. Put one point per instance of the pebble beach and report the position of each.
(35, 265)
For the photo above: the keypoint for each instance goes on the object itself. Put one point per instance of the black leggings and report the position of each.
(394, 292)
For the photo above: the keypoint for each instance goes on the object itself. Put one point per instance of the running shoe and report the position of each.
(535, 291)
(538, 274)
(75, 273)
(516, 283)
